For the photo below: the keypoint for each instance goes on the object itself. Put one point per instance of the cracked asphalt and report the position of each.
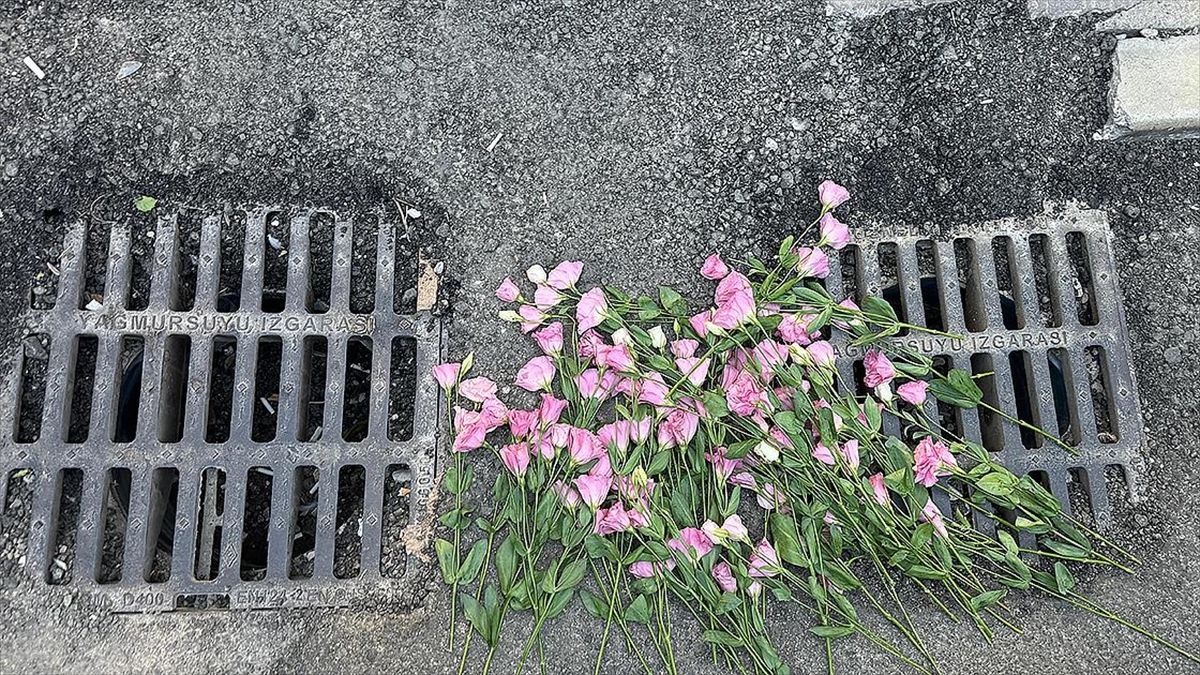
(637, 137)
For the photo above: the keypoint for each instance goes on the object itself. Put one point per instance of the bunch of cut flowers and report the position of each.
(718, 458)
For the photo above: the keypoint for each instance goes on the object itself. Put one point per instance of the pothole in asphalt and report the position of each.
(213, 411)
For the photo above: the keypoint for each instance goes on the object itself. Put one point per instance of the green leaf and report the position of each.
(572, 574)
(832, 632)
(593, 604)
(1068, 550)
(1007, 541)
(671, 301)
(456, 483)
(1063, 578)
(842, 578)
(476, 614)
(559, 602)
(471, 564)
(727, 603)
(923, 572)
(599, 547)
(843, 603)
(714, 403)
(787, 540)
(720, 637)
(638, 611)
(659, 462)
(879, 310)
(986, 599)
(999, 483)
(445, 556)
(647, 309)
(957, 389)
(506, 563)
(738, 450)
(145, 204)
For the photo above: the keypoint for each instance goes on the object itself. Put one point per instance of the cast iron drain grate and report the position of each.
(1037, 304)
(225, 411)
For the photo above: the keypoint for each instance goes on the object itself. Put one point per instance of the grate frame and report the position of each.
(1036, 337)
(46, 458)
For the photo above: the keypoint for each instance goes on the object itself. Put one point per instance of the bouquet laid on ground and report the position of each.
(715, 456)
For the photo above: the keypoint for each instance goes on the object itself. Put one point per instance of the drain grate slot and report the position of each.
(1038, 315)
(224, 410)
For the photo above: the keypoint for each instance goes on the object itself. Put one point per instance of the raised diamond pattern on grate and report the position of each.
(208, 523)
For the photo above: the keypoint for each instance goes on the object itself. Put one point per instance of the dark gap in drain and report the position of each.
(16, 519)
(303, 535)
(220, 389)
(889, 280)
(187, 262)
(948, 415)
(356, 409)
(848, 262)
(1045, 281)
(402, 398)
(966, 261)
(35, 361)
(1062, 384)
(1081, 270)
(860, 372)
(116, 521)
(404, 271)
(397, 487)
(266, 389)
(1103, 406)
(931, 294)
(43, 294)
(201, 601)
(95, 264)
(347, 549)
(128, 388)
(365, 235)
(1025, 393)
(233, 251)
(989, 422)
(64, 523)
(1043, 479)
(311, 406)
(256, 525)
(276, 242)
(1010, 299)
(160, 524)
(81, 382)
(210, 524)
(320, 261)
(141, 262)
(172, 398)
(1079, 494)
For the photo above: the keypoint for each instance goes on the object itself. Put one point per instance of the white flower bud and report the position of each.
(657, 337)
(536, 274)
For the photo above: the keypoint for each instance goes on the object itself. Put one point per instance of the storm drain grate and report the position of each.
(225, 411)
(1037, 304)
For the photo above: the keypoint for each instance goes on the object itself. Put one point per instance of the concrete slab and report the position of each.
(1055, 9)
(864, 8)
(1155, 89)
(1156, 15)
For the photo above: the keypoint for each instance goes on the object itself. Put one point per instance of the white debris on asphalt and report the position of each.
(492, 146)
(128, 68)
(41, 74)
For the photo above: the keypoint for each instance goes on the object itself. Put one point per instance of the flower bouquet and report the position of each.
(717, 457)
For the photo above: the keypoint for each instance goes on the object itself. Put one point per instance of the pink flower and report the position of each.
(469, 428)
(694, 369)
(714, 268)
(570, 498)
(744, 479)
(537, 374)
(929, 459)
(531, 317)
(730, 286)
(593, 490)
(769, 354)
(832, 195)
(565, 275)
(588, 384)
(692, 543)
(545, 297)
(615, 436)
(493, 413)
(515, 458)
(508, 291)
(879, 370)
(550, 339)
(446, 375)
(849, 451)
(591, 309)
(478, 389)
(764, 562)
(639, 430)
(880, 489)
(812, 262)
(613, 519)
(583, 445)
(823, 455)
(913, 392)
(653, 390)
(699, 323)
(736, 311)
(645, 570)
(550, 410)
(821, 353)
(617, 357)
(834, 232)
(602, 467)
(732, 528)
(769, 498)
(744, 394)
(521, 422)
(932, 514)
(559, 434)
(678, 428)
(794, 328)
(724, 577)
(722, 465)
(587, 344)
(684, 349)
